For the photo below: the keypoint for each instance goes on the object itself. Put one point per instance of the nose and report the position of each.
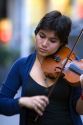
(45, 42)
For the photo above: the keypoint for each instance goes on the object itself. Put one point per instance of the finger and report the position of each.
(45, 99)
(81, 78)
(38, 110)
(41, 102)
(42, 99)
(39, 105)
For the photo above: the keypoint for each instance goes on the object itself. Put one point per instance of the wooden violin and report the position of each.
(73, 69)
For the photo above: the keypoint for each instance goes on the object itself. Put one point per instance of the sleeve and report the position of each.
(8, 105)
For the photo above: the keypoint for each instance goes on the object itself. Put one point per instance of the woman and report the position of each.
(66, 102)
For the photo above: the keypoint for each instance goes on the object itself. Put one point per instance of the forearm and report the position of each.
(9, 106)
(79, 105)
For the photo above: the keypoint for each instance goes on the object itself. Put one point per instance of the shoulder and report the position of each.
(24, 61)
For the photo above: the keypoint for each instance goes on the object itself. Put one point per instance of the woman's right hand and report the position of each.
(37, 103)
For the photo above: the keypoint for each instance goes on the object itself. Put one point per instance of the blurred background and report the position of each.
(18, 19)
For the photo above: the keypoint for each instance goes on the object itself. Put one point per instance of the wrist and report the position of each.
(20, 101)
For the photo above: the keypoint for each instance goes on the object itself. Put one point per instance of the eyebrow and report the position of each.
(54, 37)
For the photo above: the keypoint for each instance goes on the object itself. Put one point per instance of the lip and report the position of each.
(43, 50)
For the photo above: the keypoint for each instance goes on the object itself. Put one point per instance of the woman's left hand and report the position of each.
(81, 80)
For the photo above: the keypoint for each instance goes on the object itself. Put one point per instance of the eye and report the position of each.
(53, 41)
(42, 35)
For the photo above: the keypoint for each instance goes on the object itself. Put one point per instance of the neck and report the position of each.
(40, 58)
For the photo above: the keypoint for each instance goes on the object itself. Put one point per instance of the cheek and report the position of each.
(38, 40)
(55, 47)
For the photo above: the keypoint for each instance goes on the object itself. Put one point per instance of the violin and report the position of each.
(53, 64)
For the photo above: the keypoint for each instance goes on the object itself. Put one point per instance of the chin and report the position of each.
(43, 54)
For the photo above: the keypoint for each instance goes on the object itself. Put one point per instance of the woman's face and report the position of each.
(47, 42)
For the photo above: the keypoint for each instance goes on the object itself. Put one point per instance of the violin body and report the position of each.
(72, 74)
(52, 66)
